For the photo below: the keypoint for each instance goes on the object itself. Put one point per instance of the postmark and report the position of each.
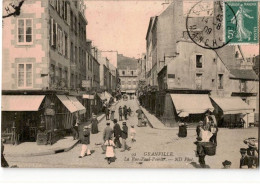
(205, 24)
(246, 21)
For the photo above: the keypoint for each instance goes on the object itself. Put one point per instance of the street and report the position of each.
(154, 148)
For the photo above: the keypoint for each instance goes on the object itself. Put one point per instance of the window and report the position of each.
(220, 81)
(60, 41)
(53, 33)
(60, 74)
(242, 86)
(71, 52)
(72, 81)
(123, 72)
(76, 54)
(24, 31)
(198, 81)
(24, 75)
(65, 45)
(66, 77)
(52, 74)
(71, 20)
(132, 72)
(198, 61)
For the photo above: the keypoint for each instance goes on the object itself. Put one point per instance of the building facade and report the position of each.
(44, 51)
(128, 74)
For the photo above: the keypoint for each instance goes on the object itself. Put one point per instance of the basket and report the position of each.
(210, 149)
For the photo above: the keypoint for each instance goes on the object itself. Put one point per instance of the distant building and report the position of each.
(128, 74)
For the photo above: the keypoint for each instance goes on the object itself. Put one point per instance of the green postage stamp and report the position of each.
(241, 22)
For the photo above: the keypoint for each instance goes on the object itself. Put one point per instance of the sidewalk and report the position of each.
(27, 149)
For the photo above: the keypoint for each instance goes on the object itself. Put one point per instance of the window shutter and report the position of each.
(68, 14)
(56, 35)
(52, 34)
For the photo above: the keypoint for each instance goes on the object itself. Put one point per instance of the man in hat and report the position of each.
(120, 112)
(125, 112)
(226, 164)
(94, 122)
(117, 134)
(107, 132)
(107, 112)
(85, 142)
(124, 137)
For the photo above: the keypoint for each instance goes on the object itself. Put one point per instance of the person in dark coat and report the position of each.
(125, 112)
(120, 112)
(129, 111)
(117, 134)
(198, 129)
(85, 142)
(214, 130)
(108, 132)
(124, 136)
(75, 129)
(94, 126)
(3, 160)
(139, 116)
(107, 112)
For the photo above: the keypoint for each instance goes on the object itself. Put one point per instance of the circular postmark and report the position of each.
(205, 24)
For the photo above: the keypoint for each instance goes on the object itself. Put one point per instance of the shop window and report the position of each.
(24, 75)
(24, 31)
(199, 60)
(220, 81)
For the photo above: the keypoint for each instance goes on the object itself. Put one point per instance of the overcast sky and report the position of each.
(121, 25)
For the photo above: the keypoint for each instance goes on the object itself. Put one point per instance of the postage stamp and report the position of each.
(245, 19)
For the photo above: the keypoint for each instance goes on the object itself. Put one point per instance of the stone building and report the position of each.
(186, 80)
(44, 52)
(128, 74)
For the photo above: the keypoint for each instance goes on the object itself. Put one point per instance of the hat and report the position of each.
(132, 126)
(226, 162)
(86, 127)
(124, 123)
(201, 122)
(115, 120)
(108, 123)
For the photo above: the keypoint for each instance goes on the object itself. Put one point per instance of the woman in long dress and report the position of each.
(109, 150)
(94, 122)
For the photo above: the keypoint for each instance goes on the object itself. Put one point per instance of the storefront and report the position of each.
(190, 108)
(230, 110)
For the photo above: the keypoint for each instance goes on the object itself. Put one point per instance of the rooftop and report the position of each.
(247, 74)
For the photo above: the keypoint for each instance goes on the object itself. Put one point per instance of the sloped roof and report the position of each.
(247, 74)
(123, 62)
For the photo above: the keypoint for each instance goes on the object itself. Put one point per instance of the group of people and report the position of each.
(124, 112)
(206, 132)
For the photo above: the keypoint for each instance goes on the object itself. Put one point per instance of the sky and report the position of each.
(121, 25)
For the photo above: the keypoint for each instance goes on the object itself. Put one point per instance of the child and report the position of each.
(109, 150)
(132, 133)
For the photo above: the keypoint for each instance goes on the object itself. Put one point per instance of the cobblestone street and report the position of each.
(154, 148)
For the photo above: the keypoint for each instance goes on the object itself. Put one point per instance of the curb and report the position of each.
(44, 153)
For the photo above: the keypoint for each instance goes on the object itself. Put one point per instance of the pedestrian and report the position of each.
(124, 137)
(139, 116)
(199, 128)
(125, 112)
(85, 142)
(107, 112)
(109, 150)
(204, 137)
(94, 124)
(120, 112)
(3, 160)
(129, 111)
(107, 132)
(112, 109)
(75, 129)
(117, 134)
(226, 164)
(133, 133)
(214, 130)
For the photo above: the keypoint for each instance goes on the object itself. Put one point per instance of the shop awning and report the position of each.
(105, 95)
(67, 103)
(186, 104)
(77, 104)
(21, 102)
(232, 105)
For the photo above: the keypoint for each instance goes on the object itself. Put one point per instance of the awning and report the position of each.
(232, 105)
(67, 103)
(186, 104)
(104, 95)
(130, 91)
(77, 104)
(87, 96)
(21, 102)
(108, 95)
